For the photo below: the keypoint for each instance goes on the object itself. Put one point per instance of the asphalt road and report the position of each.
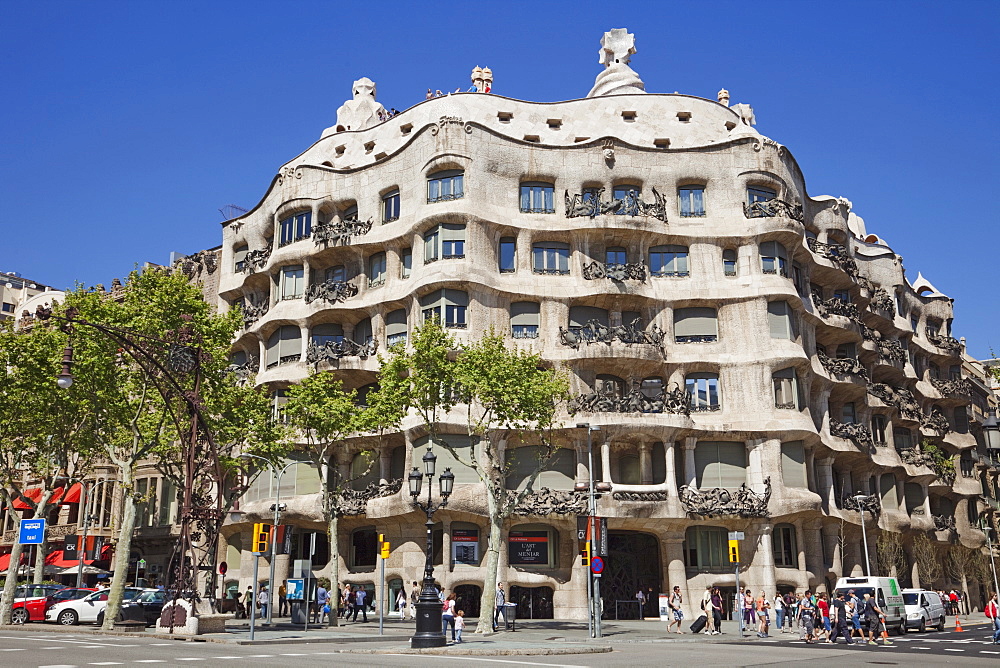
(45, 650)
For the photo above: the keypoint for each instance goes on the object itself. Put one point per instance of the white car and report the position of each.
(87, 609)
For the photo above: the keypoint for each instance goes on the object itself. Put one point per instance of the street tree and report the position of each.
(507, 394)
(326, 415)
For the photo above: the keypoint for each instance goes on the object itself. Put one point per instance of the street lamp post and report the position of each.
(84, 503)
(277, 522)
(594, 605)
(429, 632)
(861, 499)
(984, 526)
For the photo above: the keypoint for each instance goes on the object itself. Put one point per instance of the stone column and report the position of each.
(690, 473)
(582, 474)
(900, 498)
(755, 464)
(384, 466)
(811, 483)
(673, 543)
(446, 544)
(812, 547)
(845, 484)
(824, 481)
(606, 461)
(764, 559)
(670, 468)
(304, 344)
(835, 557)
(645, 463)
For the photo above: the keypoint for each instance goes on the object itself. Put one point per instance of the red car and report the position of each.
(31, 603)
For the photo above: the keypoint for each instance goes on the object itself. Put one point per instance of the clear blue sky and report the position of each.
(128, 124)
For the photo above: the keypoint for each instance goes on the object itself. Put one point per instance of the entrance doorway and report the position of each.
(532, 602)
(633, 563)
(467, 598)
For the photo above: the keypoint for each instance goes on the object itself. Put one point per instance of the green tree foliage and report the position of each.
(508, 394)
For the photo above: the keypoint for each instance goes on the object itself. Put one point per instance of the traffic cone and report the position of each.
(958, 625)
(885, 634)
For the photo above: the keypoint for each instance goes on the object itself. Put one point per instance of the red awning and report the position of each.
(35, 493)
(5, 561)
(55, 558)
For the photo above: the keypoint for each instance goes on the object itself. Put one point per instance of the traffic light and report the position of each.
(261, 537)
(383, 546)
(734, 551)
(585, 554)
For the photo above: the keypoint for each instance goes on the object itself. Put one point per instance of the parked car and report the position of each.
(150, 602)
(33, 609)
(87, 609)
(923, 608)
(32, 596)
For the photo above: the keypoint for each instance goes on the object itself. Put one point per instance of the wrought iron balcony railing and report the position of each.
(720, 502)
(834, 253)
(960, 387)
(676, 401)
(853, 431)
(595, 331)
(841, 365)
(336, 349)
(944, 522)
(253, 307)
(593, 204)
(899, 397)
(881, 301)
(698, 338)
(828, 307)
(340, 231)
(947, 343)
(254, 260)
(331, 291)
(772, 208)
(633, 271)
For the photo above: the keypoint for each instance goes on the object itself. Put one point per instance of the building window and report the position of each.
(879, 425)
(842, 295)
(668, 261)
(278, 401)
(729, 262)
(363, 331)
(508, 255)
(390, 206)
(447, 306)
(799, 278)
(774, 258)
(695, 325)
(327, 333)
(786, 389)
(848, 413)
(615, 255)
(780, 321)
(292, 282)
(628, 470)
(524, 320)
(284, 346)
(537, 198)
(445, 186)
(376, 270)
(395, 328)
(703, 391)
(913, 497)
(692, 201)
(786, 555)
(902, 438)
(793, 464)
(364, 547)
(705, 548)
(444, 241)
(623, 194)
(580, 316)
(550, 257)
(295, 227)
(610, 386)
(720, 464)
(240, 258)
(900, 307)
(847, 351)
(8, 307)
(758, 194)
(405, 263)
(336, 274)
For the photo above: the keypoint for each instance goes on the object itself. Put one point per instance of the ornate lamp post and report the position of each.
(429, 632)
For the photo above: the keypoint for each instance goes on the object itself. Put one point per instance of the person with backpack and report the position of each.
(706, 608)
(993, 612)
(807, 617)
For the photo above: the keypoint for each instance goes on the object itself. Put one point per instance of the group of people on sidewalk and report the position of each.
(819, 617)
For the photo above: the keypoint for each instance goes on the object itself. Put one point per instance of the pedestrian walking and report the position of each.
(640, 597)
(359, 604)
(807, 617)
(401, 603)
(448, 616)
(501, 600)
(706, 606)
(993, 612)
(716, 611)
(875, 619)
(414, 597)
(322, 601)
(763, 607)
(459, 625)
(282, 600)
(263, 599)
(779, 612)
(676, 613)
(838, 618)
(749, 618)
(248, 601)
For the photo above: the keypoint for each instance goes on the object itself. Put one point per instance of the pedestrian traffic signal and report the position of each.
(734, 551)
(585, 554)
(383, 546)
(261, 537)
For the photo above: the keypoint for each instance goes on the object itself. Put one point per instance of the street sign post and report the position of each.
(597, 566)
(32, 532)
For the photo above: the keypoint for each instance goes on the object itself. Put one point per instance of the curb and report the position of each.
(468, 651)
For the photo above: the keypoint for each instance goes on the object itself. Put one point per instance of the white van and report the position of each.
(923, 608)
(887, 595)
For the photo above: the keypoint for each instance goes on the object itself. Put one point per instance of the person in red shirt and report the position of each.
(824, 611)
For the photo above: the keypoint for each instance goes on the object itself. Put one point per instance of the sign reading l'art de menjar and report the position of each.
(527, 548)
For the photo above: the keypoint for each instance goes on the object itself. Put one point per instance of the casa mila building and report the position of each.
(743, 356)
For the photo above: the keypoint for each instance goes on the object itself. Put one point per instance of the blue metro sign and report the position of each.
(32, 532)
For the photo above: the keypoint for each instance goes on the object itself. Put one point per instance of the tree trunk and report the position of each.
(8, 589)
(123, 548)
(487, 606)
(42, 550)
(335, 568)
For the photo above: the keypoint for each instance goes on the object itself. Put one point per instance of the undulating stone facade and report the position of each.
(749, 356)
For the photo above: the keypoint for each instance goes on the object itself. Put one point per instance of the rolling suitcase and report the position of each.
(699, 624)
